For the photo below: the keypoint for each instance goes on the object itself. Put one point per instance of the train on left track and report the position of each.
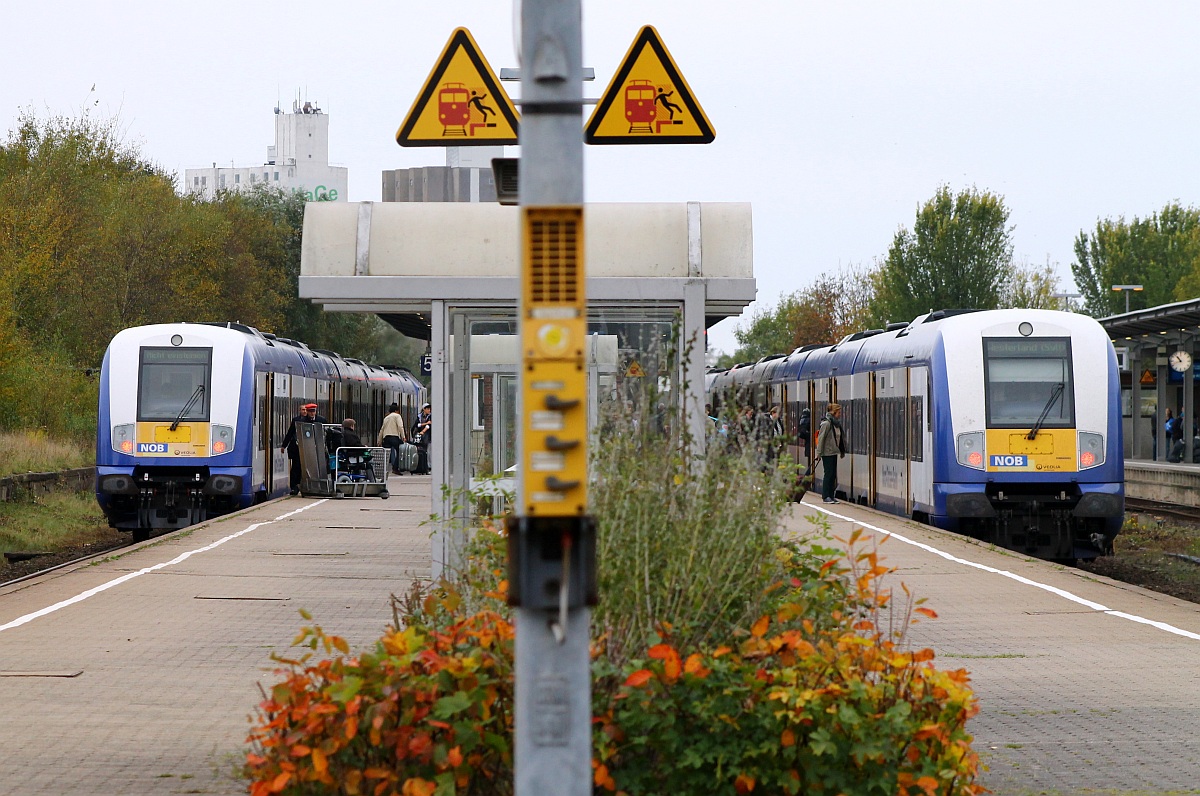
(191, 417)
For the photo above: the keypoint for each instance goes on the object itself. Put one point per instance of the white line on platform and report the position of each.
(131, 575)
(1043, 586)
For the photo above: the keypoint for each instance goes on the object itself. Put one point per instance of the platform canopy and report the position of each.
(658, 275)
(405, 255)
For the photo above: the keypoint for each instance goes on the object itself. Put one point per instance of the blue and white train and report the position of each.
(192, 416)
(1004, 425)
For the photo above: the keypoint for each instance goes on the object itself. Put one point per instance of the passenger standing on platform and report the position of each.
(830, 447)
(804, 434)
(768, 433)
(1169, 434)
(1177, 445)
(391, 434)
(745, 428)
(308, 414)
(422, 431)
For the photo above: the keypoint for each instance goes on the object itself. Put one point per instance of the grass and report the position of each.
(1144, 556)
(51, 522)
(1144, 533)
(34, 452)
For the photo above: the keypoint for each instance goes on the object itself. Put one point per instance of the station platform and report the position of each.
(137, 674)
(1163, 481)
(1086, 684)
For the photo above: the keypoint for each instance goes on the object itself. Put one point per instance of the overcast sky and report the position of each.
(834, 119)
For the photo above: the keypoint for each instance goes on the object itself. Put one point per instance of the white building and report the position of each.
(466, 177)
(298, 160)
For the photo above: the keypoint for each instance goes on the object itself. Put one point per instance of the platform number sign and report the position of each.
(427, 364)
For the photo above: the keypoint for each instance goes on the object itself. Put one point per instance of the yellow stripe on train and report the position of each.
(157, 439)
(1053, 450)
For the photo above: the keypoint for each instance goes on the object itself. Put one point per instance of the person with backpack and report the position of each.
(831, 446)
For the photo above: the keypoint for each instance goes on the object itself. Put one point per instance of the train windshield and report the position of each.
(173, 384)
(1029, 379)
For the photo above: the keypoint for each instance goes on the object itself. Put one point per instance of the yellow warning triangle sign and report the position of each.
(648, 101)
(461, 103)
(1147, 377)
(634, 371)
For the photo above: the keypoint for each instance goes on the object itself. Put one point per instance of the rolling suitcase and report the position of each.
(406, 461)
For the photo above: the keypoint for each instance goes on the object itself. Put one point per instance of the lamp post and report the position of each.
(1126, 288)
(1066, 297)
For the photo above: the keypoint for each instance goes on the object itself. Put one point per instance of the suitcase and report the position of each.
(406, 460)
(422, 461)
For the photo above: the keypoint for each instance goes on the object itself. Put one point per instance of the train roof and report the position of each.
(899, 344)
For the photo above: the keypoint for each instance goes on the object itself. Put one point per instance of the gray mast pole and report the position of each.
(553, 679)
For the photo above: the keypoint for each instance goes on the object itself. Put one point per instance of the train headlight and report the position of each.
(122, 438)
(970, 449)
(118, 484)
(1091, 449)
(222, 439)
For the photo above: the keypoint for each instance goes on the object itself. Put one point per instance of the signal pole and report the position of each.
(551, 539)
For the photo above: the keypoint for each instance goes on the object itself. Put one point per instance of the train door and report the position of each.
(920, 443)
(264, 386)
(857, 421)
(908, 441)
(842, 393)
(873, 439)
(284, 407)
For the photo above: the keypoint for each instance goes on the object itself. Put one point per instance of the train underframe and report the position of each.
(1046, 521)
(154, 499)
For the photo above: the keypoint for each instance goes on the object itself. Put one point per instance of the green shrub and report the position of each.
(795, 706)
(681, 539)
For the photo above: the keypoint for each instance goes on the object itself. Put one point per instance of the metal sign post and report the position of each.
(551, 541)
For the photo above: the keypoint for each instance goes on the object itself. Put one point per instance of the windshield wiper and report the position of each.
(195, 396)
(1055, 394)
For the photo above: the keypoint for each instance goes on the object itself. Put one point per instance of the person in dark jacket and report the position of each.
(830, 447)
(804, 434)
(350, 438)
(420, 434)
(308, 414)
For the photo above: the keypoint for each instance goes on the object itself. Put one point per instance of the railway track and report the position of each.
(61, 564)
(1140, 506)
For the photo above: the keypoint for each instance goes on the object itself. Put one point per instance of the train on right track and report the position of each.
(1003, 425)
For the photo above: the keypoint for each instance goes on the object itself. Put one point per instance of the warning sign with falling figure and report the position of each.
(648, 101)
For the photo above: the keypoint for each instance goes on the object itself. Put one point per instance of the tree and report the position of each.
(358, 335)
(957, 256)
(1032, 287)
(769, 332)
(834, 305)
(1161, 253)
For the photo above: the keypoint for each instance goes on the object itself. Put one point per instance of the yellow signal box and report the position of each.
(553, 344)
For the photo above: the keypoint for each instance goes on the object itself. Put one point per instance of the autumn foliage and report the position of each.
(428, 711)
(808, 698)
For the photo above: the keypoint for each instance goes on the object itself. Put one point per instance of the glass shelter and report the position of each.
(658, 275)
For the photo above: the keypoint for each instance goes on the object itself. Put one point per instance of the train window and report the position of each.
(173, 384)
(1028, 380)
(916, 440)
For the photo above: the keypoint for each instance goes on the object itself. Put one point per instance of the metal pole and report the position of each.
(553, 676)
